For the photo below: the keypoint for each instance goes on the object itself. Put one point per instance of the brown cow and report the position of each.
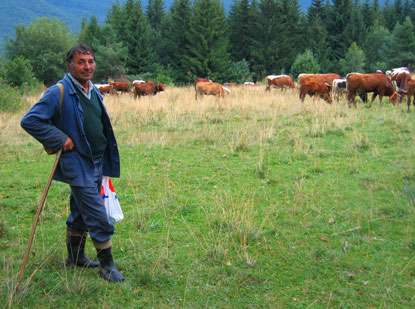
(279, 82)
(410, 92)
(315, 88)
(324, 78)
(209, 88)
(106, 90)
(400, 78)
(143, 89)
(231, 84)
(378, 83)
(120, 86)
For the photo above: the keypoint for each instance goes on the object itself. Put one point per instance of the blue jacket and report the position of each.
(42, 122)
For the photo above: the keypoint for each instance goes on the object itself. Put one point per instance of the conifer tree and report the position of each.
(353, 61)
(208, 41)
(355, 28)
(115, 17)
(338, 37)
(402, 45)
(135, 34)
(155, 12)
(265, 40)
(288, 31)
(375, 48)
(316, 34)
(368, 14)
(90, 33)
(239, 21)
(389, 15)
(175, 27)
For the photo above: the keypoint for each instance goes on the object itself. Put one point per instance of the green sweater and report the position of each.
(93, 126)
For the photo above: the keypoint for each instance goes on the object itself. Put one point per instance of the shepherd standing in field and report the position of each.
(82, 128)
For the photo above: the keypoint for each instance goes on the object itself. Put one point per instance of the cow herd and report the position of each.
(139, 88)
(395, 84)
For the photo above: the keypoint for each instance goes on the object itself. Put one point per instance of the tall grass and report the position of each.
(257, 200)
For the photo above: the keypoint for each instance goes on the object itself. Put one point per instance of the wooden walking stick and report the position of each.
(39, 211)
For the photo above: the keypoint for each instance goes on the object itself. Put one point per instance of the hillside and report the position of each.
(16, 12)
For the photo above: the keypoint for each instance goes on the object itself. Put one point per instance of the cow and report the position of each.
(227, 90)
(138, 81)
(400, 78)
(120, 86)
(280, 82)
(231, 84)
(143, 89)
(106, 89)
(410, 92)
(250, 84)
(338, 87)
(324, 78)
(378, 83)
(209, 88)
(315, 88)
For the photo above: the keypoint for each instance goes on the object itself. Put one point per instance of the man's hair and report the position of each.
(79, 48)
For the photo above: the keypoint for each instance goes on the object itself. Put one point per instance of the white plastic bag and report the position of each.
(109, 197)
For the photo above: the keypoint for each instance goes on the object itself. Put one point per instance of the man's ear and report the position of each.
(69, 65)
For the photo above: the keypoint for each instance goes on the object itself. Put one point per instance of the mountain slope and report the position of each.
(16, 12)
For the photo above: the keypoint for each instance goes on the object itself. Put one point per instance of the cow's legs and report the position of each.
(380, 100)
(351, 98)
(373, 98)
(302, 97)
(409, 102)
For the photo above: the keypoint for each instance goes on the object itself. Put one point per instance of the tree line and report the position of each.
(198, 39)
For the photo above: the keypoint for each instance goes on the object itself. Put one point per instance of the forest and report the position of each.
(198, 39)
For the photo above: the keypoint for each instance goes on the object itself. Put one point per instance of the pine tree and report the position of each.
(208, 41)
(175, 27)
(90, 33)
(110, 59)
(375, 48)
(316, 34)
(353, 61)
(239, 21)
(288, 31)
(135, 34)
(389, 15)
(116, 18)
(402, 46)
(339, 37)
(266, 39)
(155, 12)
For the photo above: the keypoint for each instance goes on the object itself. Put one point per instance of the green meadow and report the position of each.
(254, 201)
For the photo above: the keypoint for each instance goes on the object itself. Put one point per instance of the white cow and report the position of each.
(338, 87)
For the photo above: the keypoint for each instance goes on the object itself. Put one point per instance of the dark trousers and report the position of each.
(88, 211)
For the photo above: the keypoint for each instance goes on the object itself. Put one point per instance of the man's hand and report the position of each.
(69, 145)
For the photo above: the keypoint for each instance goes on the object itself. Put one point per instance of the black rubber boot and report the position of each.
(107, 269)
(76, 252)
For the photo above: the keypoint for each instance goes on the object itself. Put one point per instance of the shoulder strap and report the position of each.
(61, 97)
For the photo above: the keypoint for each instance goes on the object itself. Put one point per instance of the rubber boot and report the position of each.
(107, 269)
(76, 252)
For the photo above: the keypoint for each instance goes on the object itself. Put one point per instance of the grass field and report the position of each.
(252, 201)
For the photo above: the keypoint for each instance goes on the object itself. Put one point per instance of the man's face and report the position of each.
(82, 67)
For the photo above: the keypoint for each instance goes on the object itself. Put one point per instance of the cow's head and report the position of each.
(397, 96)
(160, 87)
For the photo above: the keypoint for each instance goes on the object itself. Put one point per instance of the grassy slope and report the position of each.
(229, 204)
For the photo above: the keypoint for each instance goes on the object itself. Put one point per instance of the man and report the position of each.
(83, 130)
